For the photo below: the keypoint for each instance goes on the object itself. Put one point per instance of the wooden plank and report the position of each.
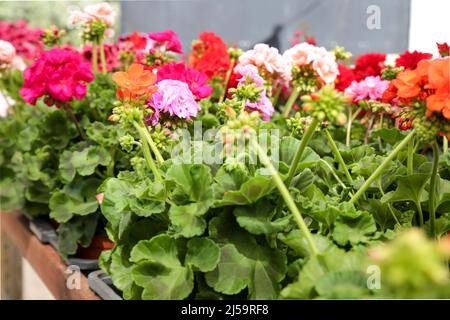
(47, 263)
(10, 270)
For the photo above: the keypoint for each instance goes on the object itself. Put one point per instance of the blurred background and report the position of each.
(390, 26)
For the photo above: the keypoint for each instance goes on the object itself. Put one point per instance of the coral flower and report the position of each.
(136, 82)
(438, 79)
(408, 84)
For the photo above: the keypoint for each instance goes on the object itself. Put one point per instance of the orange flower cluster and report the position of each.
(428, 82)
(136, 83)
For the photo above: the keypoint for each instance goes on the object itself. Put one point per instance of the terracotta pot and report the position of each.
(99, 243)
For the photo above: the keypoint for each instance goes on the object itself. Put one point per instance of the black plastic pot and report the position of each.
(102, 285)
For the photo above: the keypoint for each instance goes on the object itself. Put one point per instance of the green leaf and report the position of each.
(382, 213)
(354, 230)
(86, 160)
(77, 231)
(389, 135)
(296, 240)
(288, 149)
(409, 188)
(257, 218)
(115, 200)
(202, 253)
(187, 219)
(251, 191)
(442, 225)
(342, 285)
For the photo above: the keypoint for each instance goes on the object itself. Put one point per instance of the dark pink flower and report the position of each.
(58, 74)
(197, 81)
(25, 39)
(167, 40)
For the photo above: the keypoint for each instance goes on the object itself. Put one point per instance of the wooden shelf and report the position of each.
(44, 259)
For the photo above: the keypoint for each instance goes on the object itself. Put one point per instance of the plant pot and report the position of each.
(98, 245)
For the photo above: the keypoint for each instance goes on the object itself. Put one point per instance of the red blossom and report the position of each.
(409, 60)
(345, 77)
(444, 49)
(369, 64)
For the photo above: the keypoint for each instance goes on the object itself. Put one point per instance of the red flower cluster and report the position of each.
(25, 39)
(345, 77)
(369, 64)
(112, 55)
(409, 60)
(444, 49)
(58, 74)
(210, 55)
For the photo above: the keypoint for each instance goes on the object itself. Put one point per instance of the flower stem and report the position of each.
(94, 57)
(145, 149)
(286, 196)
(380, 169)
(338, 155)
(277, 95)
(444, 144)
(292, 98)
(227, 79)
(410, 159)
(153, 146)
(74, 119)
(102, 55)
(433, 187)
(301, 149)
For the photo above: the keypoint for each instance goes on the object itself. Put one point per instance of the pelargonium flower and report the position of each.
(322, 61)
(369, 64)
(7, 52)
(370, 88)
(136, 82)
(210, 55)
(438, 81)
(197, 81)
(409, 60)
(444, 49)
(175, 99)
(26, 40)
(345, 77)
(59, 74)
(166, 40)
(250, 74)
(267, 58)
(95, 12)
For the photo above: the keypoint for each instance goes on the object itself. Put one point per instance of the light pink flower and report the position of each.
(95, 12)
(322, 61)
(174, 99)
(268, 58)
(369, 88)
(7, 53)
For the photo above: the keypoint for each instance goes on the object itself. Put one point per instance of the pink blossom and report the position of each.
(166, 40)
(59, 74)
(322, 61)
(268, 58)
(101, 11)
(26, 40)
(99, 197)
(197, 81)
(250, 75)
(369, 88)
(175, 99)
(7, 53)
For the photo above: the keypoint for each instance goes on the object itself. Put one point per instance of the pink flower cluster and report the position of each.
(250, 74)
(197, 81)
(165, 41)
(369, 88)
(26, 40)
(174, 99)
(322, 61)
(268, 59)
(95, 12)
(58, 74)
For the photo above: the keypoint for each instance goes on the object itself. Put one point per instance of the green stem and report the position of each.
(410, 159)
(110, 167)
(338, 155)
(277, 95)
(308, 134)
(419, 209)
(102, 55)
(444, 144)
(292, 98)
(227, 79)
(333, 173)
(147, 155)
(74, 119)
(389, 205)
(433, 187)
(153, 146)
(286, 196)
(380, 169)
(94, 57)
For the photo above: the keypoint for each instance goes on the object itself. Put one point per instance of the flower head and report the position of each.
(102, 12)
(26, 40)
(136, 82)
(369, 64)
(166, 40)
(196, 80)
(59, 74)
(174, 99)
(210, 55)
(268, 60)
(370, 88)
(7, 53)
(438, 79)
(345, 77)
(444, 49)
(409, 60)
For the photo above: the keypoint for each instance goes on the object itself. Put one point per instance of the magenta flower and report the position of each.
(59, 74)
(250, 75)
(369, 88)
(197, 81)
(174, 99)
(166, 40)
